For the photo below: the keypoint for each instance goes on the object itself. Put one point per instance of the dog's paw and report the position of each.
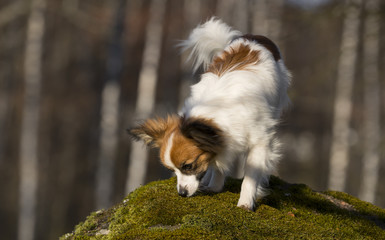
(246, 207)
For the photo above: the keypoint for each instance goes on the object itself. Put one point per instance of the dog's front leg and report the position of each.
(256, 172)
(206, 178)
(216, 182)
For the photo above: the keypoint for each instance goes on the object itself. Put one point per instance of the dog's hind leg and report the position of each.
(256, 173)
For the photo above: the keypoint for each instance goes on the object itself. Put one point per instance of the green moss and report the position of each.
(291, 211)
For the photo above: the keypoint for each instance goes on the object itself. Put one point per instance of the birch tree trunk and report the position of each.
(12, 11)
(259, 17)
(192, 18)
(234, 13)
(372, 109)
(146, 91)
(267, 18)
(30, 121)
(275, 21)
(110, 112)
(339, 155)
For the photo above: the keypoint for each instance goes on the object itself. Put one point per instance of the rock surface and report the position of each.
(291, 211)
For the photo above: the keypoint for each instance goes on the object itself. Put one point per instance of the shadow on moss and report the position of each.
(291, 211)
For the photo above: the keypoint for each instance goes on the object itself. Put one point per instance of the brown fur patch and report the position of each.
(266, 42)
(194, 144)
(187, 156)
(153, 131)
(234, 59)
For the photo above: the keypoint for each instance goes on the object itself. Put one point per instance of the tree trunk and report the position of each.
(110, 112)
(13, 11)
(259, 21)
(339, 155)
(192, 18)
(146, 91)
(372, 109)
(266, 18)
(30, 121)
(234, 13)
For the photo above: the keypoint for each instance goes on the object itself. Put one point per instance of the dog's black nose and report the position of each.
(182, 192)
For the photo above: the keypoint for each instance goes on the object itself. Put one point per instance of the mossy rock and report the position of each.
(291, 211)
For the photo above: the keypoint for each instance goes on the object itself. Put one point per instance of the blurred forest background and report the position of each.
(75, 74)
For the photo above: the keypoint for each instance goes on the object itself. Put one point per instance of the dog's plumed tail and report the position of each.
(207, 40)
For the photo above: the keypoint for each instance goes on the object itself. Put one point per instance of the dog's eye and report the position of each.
(187, 167)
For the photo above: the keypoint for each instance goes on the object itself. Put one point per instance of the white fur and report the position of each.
(206, 40)
(184, 182)
(245, 104)
(167, 156)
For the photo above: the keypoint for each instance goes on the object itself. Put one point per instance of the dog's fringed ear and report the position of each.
(205, 132)
(152, 131)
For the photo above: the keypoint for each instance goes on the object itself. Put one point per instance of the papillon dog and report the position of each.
(228, 123)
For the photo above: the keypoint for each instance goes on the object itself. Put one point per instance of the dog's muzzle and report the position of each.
(182, 192)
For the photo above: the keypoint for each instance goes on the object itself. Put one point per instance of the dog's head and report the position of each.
(187, 146)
